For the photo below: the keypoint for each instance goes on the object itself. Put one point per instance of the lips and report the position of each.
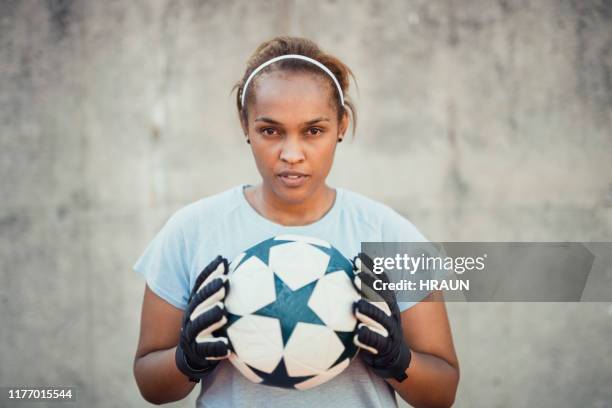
(292, 173)
(292, 179)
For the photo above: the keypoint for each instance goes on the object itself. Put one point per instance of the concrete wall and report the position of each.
(479, 120)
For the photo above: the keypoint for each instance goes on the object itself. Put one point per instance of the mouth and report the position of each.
(292, 178)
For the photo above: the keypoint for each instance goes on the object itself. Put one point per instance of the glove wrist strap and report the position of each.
(397, 369)
(194, 374)
(402, 363)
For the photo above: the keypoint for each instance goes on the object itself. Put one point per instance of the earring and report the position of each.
(248, 141)
(339, 140)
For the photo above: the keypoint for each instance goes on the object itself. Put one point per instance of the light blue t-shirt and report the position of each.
(226, 224)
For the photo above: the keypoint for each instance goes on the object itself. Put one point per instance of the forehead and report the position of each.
(281, 93)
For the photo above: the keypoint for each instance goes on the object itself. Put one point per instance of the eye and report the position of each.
(314, 131)
(268, 131)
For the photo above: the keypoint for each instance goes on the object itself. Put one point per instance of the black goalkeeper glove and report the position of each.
(379, 333)
(198, 352)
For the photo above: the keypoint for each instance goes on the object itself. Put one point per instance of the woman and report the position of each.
(294, 111)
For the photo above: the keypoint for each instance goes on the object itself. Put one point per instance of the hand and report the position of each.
(198, 352)
(379, 333)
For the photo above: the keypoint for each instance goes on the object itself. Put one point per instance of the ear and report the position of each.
(244, 126)
(343, 125)
(245, 130)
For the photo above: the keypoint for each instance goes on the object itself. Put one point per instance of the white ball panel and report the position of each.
(236, 262)
(251, 287)
(244, 369)
(332, 300)
(311, 349)
(258, 341)
(298, 263)
(323, 377)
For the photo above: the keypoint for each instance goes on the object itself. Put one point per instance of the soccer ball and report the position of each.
(290, 312)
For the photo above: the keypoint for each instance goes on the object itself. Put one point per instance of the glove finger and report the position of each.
(364, 266)
(371, 315)
(364, 282)
(217, 267)
(214, 292)
(373, 324)
(207, 322)
(220, 271)
(369, 339)
(356, 283)
(364, 263)
(356, 264)
(213, 348)
(205, 273)
(374, 309)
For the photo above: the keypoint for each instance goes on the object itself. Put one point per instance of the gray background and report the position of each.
(479, 121)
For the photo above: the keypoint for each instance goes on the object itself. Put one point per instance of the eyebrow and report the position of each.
(274, 122)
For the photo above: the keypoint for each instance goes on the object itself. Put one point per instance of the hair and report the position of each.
(284, 45)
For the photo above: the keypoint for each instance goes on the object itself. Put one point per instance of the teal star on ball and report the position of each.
(279, 377)
(337, 262)
(290, 307)
(261, 250)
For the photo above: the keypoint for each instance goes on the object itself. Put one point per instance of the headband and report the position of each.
(291, 56)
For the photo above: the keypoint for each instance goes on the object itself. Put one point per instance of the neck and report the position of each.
(270, 206)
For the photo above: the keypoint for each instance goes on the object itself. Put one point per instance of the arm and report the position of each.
(157, 376)
(433, 374)
(178, 348)
(413, 351)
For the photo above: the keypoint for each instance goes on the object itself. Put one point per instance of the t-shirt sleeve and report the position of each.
(396, 228)
(164, 263)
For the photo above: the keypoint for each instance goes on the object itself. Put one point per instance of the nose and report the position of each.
(292, 151)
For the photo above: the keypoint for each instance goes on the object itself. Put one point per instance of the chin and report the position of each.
(292, 195)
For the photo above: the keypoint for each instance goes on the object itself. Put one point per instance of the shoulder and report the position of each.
(393, 225)
(363, 208)
(206, 210)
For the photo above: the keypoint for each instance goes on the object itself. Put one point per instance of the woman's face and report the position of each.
(293, 128)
